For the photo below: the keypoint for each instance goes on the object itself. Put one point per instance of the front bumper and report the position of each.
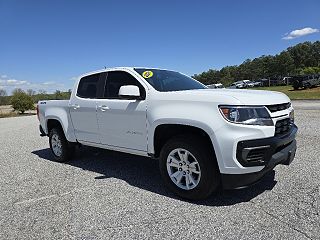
(277, 150)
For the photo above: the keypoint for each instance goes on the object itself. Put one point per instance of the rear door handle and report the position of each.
(75, 106)
(104, 108)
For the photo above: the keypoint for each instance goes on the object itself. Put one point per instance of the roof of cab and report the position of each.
(116, 68)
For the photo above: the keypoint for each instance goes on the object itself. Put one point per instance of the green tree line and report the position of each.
(301, 59)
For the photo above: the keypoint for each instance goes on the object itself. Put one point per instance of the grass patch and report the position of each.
(313, 93)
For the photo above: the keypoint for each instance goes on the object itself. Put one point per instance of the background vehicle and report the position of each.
(217, 85)
(202, 138)
(238, 84)
(287, 80)
(248, 83)
(264, 82)
(271, 82)
(242, 84)
(257, 83)
(306, 81)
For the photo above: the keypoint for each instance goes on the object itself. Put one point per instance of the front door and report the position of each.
(122, 122)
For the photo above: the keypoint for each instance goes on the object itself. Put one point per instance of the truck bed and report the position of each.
(56, 110)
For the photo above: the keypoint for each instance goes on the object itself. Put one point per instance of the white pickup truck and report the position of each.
(203, 138)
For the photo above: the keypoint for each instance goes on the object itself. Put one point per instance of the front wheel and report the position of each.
(61, 149)
(188, 167)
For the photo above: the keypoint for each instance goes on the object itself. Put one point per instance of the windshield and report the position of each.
(165, 81)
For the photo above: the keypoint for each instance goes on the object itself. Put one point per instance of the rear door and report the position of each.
(122, 122)
(83, 107)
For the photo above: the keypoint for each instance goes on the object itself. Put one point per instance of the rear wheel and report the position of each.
(307, 85)
(188, 167)
(61, 149)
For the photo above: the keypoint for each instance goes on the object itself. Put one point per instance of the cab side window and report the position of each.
(116, 79)
(88, 86)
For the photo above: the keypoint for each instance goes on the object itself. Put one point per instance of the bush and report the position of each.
(21, 101)
(3, 96)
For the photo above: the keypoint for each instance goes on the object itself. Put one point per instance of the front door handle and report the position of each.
(104, 108)
(75, 106)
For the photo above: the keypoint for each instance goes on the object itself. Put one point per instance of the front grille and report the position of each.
(283, 126)
(278, 107)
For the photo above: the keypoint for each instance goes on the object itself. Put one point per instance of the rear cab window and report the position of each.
(89, 86)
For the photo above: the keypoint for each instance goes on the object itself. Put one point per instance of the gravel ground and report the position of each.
(108, 195)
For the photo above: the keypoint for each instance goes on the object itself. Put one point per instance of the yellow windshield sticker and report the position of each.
(147, 74)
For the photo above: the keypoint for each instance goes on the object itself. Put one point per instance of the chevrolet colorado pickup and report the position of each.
(204, 138)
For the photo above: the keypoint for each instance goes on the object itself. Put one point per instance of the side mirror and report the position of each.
(129, 92)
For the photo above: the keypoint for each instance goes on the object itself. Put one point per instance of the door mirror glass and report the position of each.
(129, 92)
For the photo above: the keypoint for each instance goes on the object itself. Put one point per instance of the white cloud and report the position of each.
(11, 84)
(48, 83)
(299, 33)
(14, 82)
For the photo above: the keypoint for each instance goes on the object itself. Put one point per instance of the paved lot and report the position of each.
(107, 195)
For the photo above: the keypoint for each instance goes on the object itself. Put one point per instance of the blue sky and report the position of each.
(45, 44)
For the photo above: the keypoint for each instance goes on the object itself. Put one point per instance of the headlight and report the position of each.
(246, 115)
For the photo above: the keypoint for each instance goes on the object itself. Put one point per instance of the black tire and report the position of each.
(210, 175)
(67, 148)
(307, 85)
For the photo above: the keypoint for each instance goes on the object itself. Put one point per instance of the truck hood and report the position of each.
(235, 96)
